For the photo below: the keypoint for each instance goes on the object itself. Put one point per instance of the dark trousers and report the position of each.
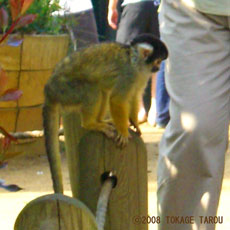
(84, 28)
(138, 18)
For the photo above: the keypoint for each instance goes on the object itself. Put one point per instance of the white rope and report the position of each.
(103, 203)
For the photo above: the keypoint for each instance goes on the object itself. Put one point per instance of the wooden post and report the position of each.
(73, 133)
(55, 212)
(128, 200)
(91, 154)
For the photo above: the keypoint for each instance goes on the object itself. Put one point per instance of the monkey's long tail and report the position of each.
(51, 126)
(108, 184)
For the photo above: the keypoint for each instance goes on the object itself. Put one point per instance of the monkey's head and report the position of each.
(151, 50)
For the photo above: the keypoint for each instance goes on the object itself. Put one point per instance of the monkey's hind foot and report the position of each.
(109, 130)
(109, 122)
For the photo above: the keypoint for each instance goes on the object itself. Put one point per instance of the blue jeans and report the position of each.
(162, 98)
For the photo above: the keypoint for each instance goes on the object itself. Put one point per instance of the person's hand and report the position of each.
(112, 18)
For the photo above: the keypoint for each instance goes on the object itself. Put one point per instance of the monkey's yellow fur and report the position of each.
(90, 80)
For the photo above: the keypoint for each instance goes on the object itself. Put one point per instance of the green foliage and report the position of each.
(46, 22)
(4, 2)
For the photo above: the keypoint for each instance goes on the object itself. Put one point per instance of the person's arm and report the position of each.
(112, 14)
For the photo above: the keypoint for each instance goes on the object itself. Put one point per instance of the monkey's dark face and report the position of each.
(158, 52)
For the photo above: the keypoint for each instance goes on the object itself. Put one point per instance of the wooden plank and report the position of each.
(133, 184)
(42, 52)
(125, 199)
(55, 212)
(142, 180)
(8, 119)
(10, 57)
(46, 50)
(75, 215)
(21, 119)
(12, 83)
(41, 213)
(73, 133)
(118, 211)
(92, 165)
(32, 85)
(29, 119)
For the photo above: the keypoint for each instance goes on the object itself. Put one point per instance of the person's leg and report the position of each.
(150, 91)
(162, 99)
(85, 29)
(134, 21)
(192, 149)
(138, 18)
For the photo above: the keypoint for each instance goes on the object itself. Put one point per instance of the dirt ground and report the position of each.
(31, 172)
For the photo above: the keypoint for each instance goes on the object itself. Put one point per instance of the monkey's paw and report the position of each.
(121, 140)
(111, 124)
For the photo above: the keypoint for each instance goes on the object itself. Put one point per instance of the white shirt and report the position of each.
(75, 6)
(125, 2)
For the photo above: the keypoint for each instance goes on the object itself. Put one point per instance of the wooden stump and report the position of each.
(89, 155)
(55, 212)
(98, 154)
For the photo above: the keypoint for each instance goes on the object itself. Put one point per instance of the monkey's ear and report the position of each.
(145, 50)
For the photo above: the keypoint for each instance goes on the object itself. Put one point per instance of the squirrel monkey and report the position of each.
(89, 80)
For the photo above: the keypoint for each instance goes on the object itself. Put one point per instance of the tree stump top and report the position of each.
(55, 212)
